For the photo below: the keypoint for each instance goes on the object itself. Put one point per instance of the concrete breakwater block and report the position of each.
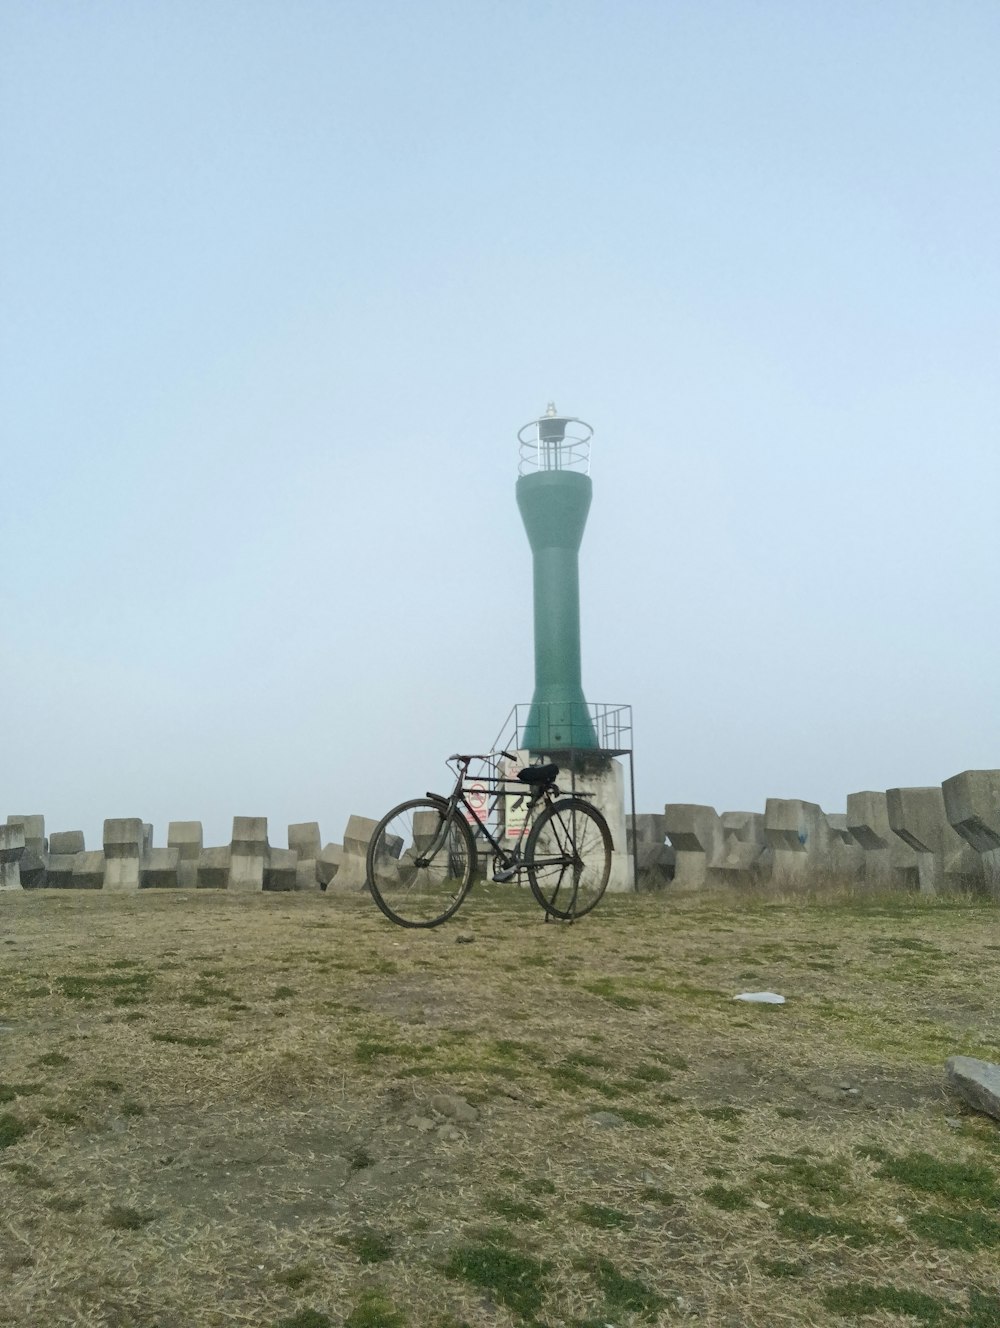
(944, 859)
(124, 840)
(887, 859)
(281, 870)
(213, 868)
(12, 845)
(33, 860)
(186, 838)
(304, 839)
(353, 871)
(161, 869)
(88, 871)
(63, 842)
(248, 853)
(698, 839)
(328, 863)
(972, 805)
(976, 1082)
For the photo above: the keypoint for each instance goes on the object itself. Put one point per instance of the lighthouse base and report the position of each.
(602, 780)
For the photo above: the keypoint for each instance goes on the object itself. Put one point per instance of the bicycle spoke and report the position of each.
(419, 869)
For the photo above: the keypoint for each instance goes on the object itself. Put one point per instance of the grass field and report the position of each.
(283, 1111)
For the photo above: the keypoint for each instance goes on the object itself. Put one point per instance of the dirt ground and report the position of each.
(284, 1111)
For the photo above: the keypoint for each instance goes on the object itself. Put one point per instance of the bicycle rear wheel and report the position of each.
(420, 866)
(568, 858)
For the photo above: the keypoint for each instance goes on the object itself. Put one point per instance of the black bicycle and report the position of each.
(422, 858)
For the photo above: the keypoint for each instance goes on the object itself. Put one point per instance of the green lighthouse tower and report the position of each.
(553, 495)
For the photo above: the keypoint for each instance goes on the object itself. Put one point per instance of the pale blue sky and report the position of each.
(281, 281)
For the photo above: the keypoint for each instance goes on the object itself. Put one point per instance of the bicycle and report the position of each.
(422, 857)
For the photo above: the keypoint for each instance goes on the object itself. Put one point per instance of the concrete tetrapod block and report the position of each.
(161, 868)
(88, 871)
(280, 872)
(976, 1082)
(887, 860)
(36, 847)
(304, 838)
(67, 841)
(745, 858)
(655, 858)
(61, 874)
(328, 863)
(123, 852)
(353, 872)
(12, 846)
(847, 857)
(213, 868)
(698, 839)
(186, 838)
(972, 805)
(797, 836)
(248, 853)
(944, 860)
(804, 846)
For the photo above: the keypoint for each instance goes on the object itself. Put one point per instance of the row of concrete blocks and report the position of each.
(934, 839)
(128, 860)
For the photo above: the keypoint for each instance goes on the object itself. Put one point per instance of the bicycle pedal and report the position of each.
(507, 875)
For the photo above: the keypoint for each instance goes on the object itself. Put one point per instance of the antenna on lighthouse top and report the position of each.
(555, 442)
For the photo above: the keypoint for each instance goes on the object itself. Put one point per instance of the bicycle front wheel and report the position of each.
(568, 858)
(420, 863)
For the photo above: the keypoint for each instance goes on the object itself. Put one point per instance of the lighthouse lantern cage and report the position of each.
(555, 442)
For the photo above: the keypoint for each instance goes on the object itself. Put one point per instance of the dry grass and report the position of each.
(283, 1111)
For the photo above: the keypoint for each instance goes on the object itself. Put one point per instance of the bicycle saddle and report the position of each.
(538, 774)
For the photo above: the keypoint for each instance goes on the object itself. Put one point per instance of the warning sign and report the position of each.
(516, 798)
(477, 796)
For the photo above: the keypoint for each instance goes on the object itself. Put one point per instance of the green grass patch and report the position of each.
(862, 1298)
(512, 1278)
(12, 1128)
(80, 988)
(605, 988)
(724, 1113)
(107, 1085)
(65, 1204)
(62, 1115)
(781, 1268)
(27, 1175)
(53, 1059)
(295, 1276)
(607, 1219)
(368, 1050)
(804, 1225)
(8, 1092)
(952, 1180)
(120, 1217)
(371, 1246)
(375, 1310)
(722, 1196)
(518, 1210)
(967, 1229)
(820, 1180)
(306, 1319)
(625, 1294)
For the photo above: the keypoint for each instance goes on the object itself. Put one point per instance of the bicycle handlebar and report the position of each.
(481, 756)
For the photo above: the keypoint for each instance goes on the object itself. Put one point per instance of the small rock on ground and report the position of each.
(976, 1082)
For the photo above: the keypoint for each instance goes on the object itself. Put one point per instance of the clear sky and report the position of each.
(280, 282)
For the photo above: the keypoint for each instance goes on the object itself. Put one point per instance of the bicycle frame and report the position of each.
(510, 860)
(457, 800)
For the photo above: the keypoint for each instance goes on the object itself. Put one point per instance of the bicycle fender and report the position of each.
(437, 798)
